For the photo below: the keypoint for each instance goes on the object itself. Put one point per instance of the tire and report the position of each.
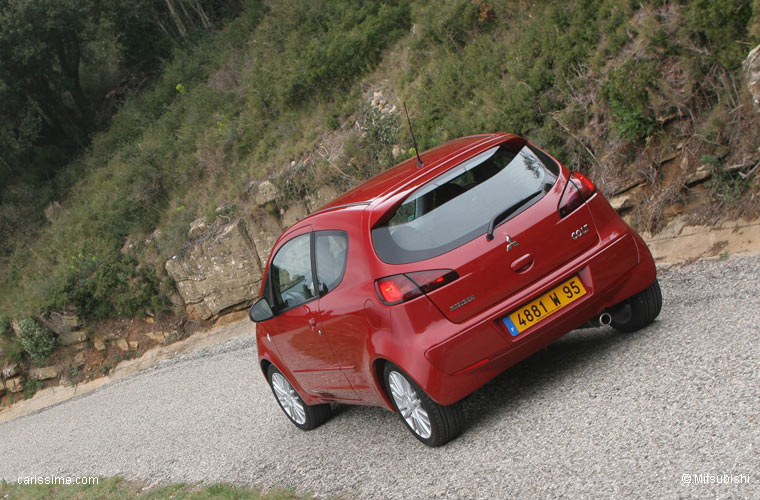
(638, 311)
(431, 423)
(303, 416)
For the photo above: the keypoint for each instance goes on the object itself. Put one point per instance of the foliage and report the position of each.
(369, 153)
(38, 341)
(31, 387)
(326, 46)
(103, 288)
(205, 101)
(717, 25)
(11, 350)
(118, 488)
(725, 187)
(627, 93)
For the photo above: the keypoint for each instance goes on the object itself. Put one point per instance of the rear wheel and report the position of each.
(431, 423)
(638, 311)
(306, 417)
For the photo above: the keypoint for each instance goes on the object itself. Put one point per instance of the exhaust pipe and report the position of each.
(605, 318)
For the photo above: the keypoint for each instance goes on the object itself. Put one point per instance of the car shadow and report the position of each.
(567, 357)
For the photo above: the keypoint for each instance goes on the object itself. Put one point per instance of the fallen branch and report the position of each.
(749, 174)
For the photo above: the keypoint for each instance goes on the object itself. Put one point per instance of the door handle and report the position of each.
(522, 264)
(312, 323)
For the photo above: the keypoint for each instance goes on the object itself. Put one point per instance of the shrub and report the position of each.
(11, 350)
(31, 387)
(627, 93)
(38, 341)
(4, 324)
(114, 286)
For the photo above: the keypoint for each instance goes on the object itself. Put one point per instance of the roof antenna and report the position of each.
(414, 141)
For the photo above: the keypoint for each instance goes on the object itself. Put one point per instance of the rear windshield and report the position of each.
(457, 206)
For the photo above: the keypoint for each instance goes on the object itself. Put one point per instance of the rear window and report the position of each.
(457, 206)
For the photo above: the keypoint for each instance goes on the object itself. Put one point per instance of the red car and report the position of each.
(424, 283)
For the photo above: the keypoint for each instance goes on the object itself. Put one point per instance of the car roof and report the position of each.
(399, 176)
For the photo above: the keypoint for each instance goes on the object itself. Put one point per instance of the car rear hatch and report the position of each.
(517, 190)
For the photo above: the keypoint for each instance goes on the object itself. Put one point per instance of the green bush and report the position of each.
(11, 350)
(5, 325)
(627, 94)
(115, 286)
(31, 387)
(38, 341)
(717, 25)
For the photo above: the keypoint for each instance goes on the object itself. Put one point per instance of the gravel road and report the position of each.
(597, 415)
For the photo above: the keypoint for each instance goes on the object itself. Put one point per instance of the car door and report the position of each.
(343, 319)
(295, 302)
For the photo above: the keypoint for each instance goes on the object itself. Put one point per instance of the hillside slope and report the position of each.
(647, 98)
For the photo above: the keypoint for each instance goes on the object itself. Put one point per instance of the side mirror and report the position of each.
(260, 311)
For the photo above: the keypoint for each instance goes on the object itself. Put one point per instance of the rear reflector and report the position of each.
(578, 190)
(399, 288)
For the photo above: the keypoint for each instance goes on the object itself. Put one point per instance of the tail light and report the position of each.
(399, 288)
(578, 190)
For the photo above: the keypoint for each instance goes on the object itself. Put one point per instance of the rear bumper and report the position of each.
(462, 357)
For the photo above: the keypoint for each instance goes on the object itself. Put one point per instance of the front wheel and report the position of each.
(638, 311)
(306, 417)
(431, 423)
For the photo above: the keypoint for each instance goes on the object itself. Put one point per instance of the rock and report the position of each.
(264, 230)
(134, 344)
(158, 336)
(15, 384)
(701, 174)
(293, 214)
(150, 320)
(44, 373)
(80, 360)
(323, 196)
(622, 202)
(9, 370)
(71, 338)
(265, 192)
(53, 211)
(217, 272)
(752, 74)
(2, 387)
(99, 344)
(197, 228)
(61, 321)
(231, 317)
(123, 345)
(176, 300)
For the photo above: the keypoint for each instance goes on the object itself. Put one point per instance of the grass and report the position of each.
(118, 488)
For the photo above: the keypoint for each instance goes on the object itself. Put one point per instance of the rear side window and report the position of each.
(457, 206)
(331, 249)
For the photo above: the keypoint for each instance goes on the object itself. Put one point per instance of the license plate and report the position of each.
(544, 306)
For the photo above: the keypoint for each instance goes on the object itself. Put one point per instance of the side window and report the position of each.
(291, 275)
(332, 250)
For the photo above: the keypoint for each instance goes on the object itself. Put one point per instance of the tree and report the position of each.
(42, 102)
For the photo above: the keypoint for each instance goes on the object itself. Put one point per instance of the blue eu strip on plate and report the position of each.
(511, 326)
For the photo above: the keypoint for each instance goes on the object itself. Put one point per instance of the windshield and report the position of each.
(457, 206)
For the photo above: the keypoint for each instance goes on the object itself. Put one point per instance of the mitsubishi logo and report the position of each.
(511, 243)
